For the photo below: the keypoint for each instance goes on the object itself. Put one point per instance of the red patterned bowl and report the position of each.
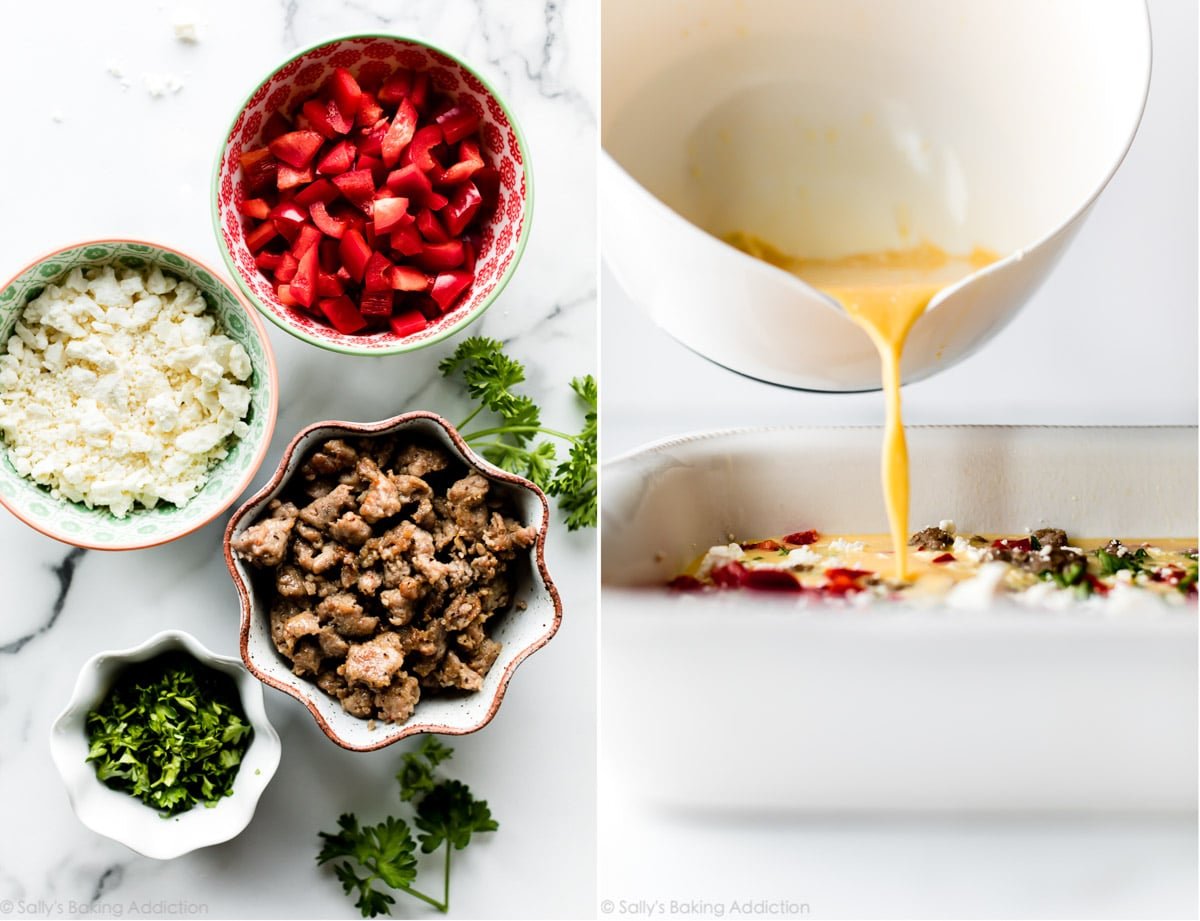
(504, 232)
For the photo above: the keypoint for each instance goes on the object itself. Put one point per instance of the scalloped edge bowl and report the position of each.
(521, 632)
(129, 821)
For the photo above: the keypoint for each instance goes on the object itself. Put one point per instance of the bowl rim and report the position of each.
(402, 346)
(285, 470)
(268, 432)
(77, 776)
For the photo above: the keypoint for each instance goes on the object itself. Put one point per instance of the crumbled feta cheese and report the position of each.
(964, 548)
(719, 556)
(158, 85)
(120, 391)
(948, 525)
(838, 545)
(981, 591)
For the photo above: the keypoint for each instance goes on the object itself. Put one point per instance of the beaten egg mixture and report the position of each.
(884, 293)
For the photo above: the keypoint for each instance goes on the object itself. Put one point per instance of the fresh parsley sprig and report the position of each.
(510, 443)
(447, 815)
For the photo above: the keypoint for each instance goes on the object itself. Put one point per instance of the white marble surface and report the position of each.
(1109, 339)
(86, 157)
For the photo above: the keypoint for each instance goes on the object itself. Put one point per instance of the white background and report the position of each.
(1110, 338)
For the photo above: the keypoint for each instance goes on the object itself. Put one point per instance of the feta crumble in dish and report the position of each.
(1042, 568)
(117, 389)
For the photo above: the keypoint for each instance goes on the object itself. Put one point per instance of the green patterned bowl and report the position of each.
(96, 528)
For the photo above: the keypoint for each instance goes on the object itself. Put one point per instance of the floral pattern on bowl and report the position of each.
(504, 233)
(97, 528)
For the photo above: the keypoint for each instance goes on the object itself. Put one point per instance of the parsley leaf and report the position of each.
(447, 815)
(490, 376)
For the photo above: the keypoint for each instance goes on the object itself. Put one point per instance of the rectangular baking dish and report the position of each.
(751, 702)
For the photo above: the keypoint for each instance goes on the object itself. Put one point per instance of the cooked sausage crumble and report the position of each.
(383, 563)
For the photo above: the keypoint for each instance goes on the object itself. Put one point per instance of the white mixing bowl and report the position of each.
(831, 127)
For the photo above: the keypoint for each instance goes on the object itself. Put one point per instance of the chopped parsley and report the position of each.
(1134, 561)
(171, 732)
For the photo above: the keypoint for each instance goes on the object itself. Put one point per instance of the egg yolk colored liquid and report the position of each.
(884, 293)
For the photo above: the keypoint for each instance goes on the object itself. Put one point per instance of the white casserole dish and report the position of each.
(742, 701)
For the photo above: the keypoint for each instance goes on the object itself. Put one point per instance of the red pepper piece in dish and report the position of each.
(802, 538)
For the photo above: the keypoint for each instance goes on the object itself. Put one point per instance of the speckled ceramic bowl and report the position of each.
(504, 232)
(96, 528)
(118, 815)
(527, 626)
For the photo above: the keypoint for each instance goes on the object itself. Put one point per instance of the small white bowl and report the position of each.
(123, 818)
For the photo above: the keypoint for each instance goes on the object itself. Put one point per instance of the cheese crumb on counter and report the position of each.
(119, 390)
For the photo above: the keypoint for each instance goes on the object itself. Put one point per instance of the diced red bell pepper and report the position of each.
(470, 161)
(414, 185)
(431, 228)
(762, 545)
(843, 581)
(328, 257)
(376, 304)
(317, 113)
(944, 558)
(448, 287)
(375, 277)
(1023, 544)
(468, 264)
(371, 142)
(378, 170)
(258, 170)
(457, 122)
(406, 240)
(441, 257)
(388, 212)
(426, 304)
(772, 580)
(256, 208)
(685, 583)
(358, 186)
(1097, 586)
(419, 94)
(729, 575)
(420, 151)
(304, 284)
(395, 88)
(342, 314)
(296, 148)
(339, 159)
(399, 133)
(288, 211)
(328, 285)
(289, 177)
(369, 111)
(284, 293)
(289, 230)
(322, 191)
(276, 126)
(345, 90)
(355, 254)
(406, 278)
(268, 261)
(802, 538)
(261, 235)
(328, 225)
(407, 323)
(287, 268)
(307, 239)
(462, 208)
(487, 180)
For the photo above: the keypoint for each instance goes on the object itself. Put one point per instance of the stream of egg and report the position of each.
(885, 293)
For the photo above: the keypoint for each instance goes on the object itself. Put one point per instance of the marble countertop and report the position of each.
(101, 154)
